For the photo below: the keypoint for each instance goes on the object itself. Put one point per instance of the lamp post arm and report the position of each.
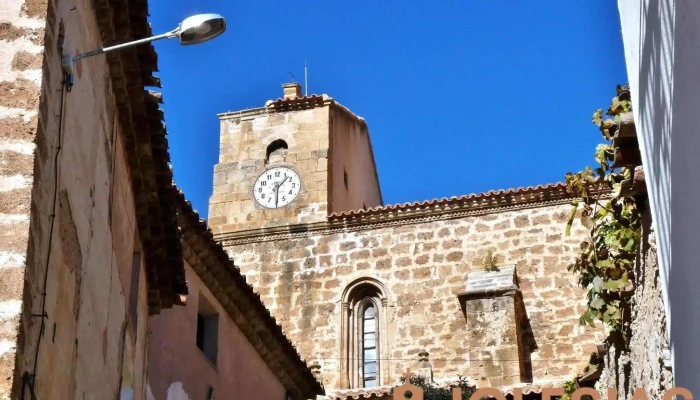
(167, 35)
(69, 63)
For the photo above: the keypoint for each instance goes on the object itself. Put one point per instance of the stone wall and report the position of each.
(423, 263)
(327, 145)
(645, 364)
(21, 57)
(176, 360)
(90, 347)
(244, 141)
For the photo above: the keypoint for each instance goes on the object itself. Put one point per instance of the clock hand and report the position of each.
(277, 192)
(277, 189)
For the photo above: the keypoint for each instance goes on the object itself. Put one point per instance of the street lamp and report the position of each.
(193, 30)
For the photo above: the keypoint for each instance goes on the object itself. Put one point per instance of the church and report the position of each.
(473, 286)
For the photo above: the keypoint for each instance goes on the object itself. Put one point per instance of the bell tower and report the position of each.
(292, 161)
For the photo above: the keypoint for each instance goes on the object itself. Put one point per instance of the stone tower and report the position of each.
(291, 162)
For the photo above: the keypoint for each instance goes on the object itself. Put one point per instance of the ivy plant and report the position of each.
(605, 264)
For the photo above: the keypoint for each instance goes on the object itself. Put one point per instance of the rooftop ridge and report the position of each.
(558, 189)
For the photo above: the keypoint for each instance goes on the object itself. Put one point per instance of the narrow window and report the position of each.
(345, 178)
(363, 323)
(207, 329)
(369, 347)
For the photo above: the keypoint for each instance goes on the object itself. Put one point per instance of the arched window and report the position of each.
(276, 151)
(369, 344)
(363, 344)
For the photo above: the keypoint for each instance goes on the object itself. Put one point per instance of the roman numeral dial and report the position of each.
(276, 187)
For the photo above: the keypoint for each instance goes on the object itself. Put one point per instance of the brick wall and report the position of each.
(21, 57)
(423, 264)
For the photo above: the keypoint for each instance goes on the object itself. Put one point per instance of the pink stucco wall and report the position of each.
(176, 363)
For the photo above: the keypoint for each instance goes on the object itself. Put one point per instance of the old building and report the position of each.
(224, 341)
(474, 286)
(90, 242)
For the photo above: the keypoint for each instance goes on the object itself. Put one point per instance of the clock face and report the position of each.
(276, 187)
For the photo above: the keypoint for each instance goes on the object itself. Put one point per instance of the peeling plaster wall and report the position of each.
(179, 370)
(83, 346)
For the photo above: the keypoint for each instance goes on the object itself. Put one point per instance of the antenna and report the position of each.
(290, 74)
(306, 79)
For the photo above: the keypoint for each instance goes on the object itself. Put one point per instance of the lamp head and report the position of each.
(200, 28)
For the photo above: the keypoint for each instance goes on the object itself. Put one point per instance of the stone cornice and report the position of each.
(416, 213)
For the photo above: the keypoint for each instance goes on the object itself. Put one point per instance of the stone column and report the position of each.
(344, 346)
(383, 353)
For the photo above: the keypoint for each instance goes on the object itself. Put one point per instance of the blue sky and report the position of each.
(464, 97)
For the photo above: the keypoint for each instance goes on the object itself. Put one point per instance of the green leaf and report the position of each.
(617, 188)
(598, 283)
(631, 244)
(598, 117)
(597, 303)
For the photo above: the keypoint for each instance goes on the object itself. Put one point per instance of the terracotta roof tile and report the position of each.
(381, 391)
(522, 191)
(354, 394)
(145, 145)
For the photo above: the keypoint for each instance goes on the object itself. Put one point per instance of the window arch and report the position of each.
(363, 326)
(276, 151)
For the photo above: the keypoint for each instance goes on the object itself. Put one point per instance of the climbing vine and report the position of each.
(605, 264)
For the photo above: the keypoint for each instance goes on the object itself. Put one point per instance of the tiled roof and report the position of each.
(145, 145)
(454, 200)
(382, 391)
(296, 103)
(213, 265)
(476, 201)
(354, 394)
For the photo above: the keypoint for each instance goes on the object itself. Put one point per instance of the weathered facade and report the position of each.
(244, 352)
(335, 265)
(90, 241)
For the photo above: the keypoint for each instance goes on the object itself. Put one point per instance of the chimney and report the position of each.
(291, 90)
